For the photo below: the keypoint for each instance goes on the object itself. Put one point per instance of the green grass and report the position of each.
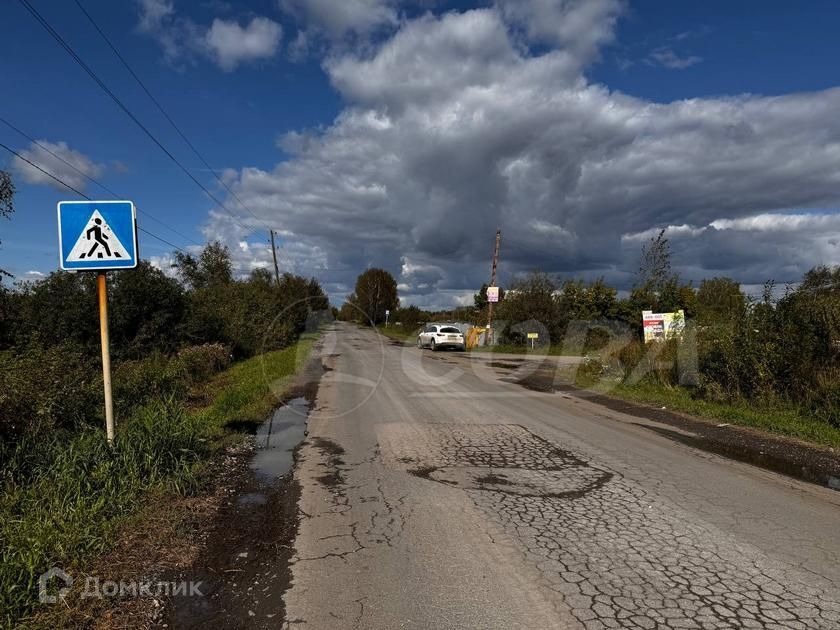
(250, 390)
(398, 332)
(779, 418)
(65, 494)
(552, 351)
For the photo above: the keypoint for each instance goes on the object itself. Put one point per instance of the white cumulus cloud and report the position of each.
(57, 158)
(336, 20)
(226, 42)
(231, 44)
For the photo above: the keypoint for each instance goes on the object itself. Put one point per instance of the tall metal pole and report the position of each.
(102, 293)
(487, 340)
(274, 254)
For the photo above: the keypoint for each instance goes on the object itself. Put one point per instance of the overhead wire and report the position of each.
(81, 194)
(146, 214)
(63, 43)
(166, 114)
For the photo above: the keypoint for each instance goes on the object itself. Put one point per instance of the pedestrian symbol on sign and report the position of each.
(97, 240)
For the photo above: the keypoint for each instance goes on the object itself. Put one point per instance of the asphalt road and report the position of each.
(437, 495)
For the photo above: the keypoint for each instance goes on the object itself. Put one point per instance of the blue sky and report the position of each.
(311, 115)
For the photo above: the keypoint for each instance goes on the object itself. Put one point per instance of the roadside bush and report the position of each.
(201, 362)
(159, 377)
(597, 337)
(47, 388)
(824, 400)
(155, 377)
(62, 493)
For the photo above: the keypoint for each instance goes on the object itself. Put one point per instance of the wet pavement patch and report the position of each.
(504, 365)
(277, 438)
(252, 498)
(244, 566)
(334, 478)
(494, 479)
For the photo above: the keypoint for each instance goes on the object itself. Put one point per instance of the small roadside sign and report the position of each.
(97, 235)
(493, 294)
(533, 336)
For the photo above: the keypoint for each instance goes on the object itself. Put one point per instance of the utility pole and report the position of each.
(274, 253)
(487, 339)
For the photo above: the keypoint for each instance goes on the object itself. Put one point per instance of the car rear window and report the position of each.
(449, 329)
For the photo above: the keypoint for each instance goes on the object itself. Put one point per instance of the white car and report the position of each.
(439, 336)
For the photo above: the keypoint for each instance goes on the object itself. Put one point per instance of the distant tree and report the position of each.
(579, 301)
(146, 310)
(61, 307)
(655, 265)
(719, 299)
(659, 288)
(212, 267)
(531, 299)
(480, 298)
(822, 280)
(376, 291)
(318, 300)
(7, 194)
(410, 316)
(348, 311)
(261, 275)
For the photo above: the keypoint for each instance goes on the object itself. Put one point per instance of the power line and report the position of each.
(80, 193)
(91, 179)
(165, 114)
(58, 38)
(47, 173)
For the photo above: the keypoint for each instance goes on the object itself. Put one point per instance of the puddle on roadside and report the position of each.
(252, 498)
(277, 438)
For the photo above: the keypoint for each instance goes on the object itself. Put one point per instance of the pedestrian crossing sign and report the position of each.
(97, 235)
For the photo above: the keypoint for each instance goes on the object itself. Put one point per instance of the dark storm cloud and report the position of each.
(453, 128)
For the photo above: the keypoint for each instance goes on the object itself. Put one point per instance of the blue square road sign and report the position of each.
(97, 235)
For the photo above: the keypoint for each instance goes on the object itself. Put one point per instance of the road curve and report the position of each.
(437, 495)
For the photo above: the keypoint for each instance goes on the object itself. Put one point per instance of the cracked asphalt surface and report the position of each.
(434, 494)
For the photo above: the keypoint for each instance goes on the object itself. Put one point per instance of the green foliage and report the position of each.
(766, 352)
(50, 370)
(252, 388)
(784, 352)
(252, 316)
(410, 317)
(531, 298)
(719, 300)
(64, 492)
(146, 310)
(212, 267)
(655, 266)
(76, 488)
(61, 308)
(45, 388)
(200, 362)
(7, 195)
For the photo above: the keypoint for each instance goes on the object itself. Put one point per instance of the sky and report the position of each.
(402, 133)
